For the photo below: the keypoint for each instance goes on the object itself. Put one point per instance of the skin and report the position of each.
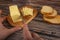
(30, 35)
(4, 32)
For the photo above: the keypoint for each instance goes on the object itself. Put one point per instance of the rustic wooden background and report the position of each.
(46, 30)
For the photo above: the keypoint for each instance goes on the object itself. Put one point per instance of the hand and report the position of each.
(4, 32)
(30, 35)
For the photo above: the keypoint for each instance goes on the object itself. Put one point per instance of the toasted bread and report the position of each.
(52, 15)
(46, 10)
(55, 20)
(27, 19)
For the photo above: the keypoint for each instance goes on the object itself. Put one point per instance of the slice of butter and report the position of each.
(27, 11)
(14, 13)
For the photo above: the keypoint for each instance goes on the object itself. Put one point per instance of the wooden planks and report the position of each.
(46, 30)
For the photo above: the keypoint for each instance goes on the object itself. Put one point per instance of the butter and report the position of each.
(27, 11)
(14, 13)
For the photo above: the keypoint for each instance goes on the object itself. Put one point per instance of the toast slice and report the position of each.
(55, 20)
(27, 19)
(52, 15)
(46, 10)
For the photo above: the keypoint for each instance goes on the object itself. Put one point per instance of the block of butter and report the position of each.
(27, 11)
(15, 14)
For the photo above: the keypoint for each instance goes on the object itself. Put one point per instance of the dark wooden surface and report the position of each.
(46, 30)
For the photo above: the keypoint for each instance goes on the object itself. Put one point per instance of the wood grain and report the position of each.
(46, 30)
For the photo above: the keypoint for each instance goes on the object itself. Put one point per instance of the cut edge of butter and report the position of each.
(15, 14)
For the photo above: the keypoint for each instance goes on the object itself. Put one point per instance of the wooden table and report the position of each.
(46, 30)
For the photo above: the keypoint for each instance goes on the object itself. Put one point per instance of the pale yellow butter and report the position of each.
(14, 13)
(27, 11)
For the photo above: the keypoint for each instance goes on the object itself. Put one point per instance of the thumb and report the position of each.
(36, 36)
(12, 30)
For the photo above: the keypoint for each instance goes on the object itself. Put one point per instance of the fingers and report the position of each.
(0, 11)
(2, 18)
(12, 30)
(26, 33)
(36, 36)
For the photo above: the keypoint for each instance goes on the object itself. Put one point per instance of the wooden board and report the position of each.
(45, 30)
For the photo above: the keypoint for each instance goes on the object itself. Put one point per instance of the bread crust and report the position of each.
(54, 14)
(46, 10)
(27, 19)
(55, 20)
